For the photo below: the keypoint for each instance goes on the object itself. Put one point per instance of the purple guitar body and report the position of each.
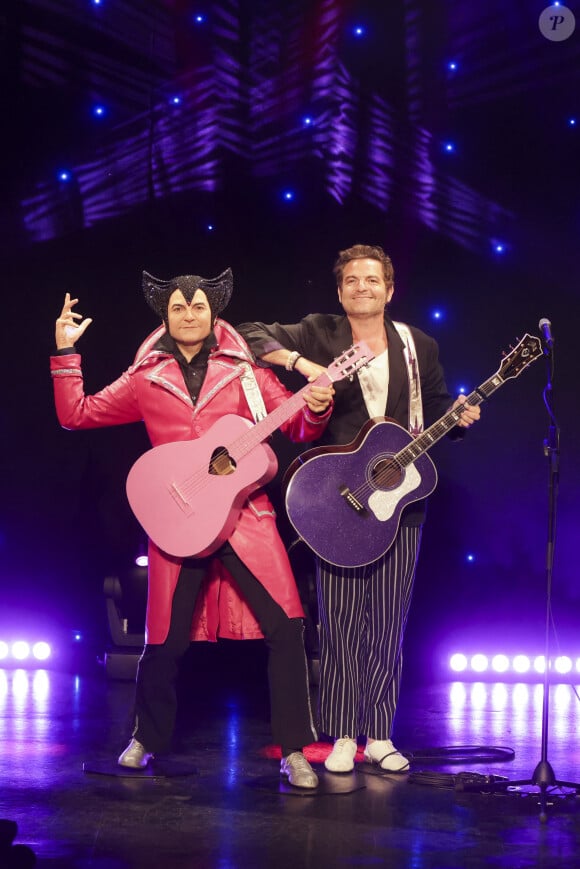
(346, 502)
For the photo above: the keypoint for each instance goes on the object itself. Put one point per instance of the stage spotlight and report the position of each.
(4, 650)
(20, 650)
(521, 664)
(540, 664)
(479, 663)
(458, 662)
(563, 664)
(41, 651)
(500, 663)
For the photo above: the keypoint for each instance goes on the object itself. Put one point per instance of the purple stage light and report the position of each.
(4, 650)
(563, 664)
(458, 662)
(142, 561)
(20, 650)
(521, 664)
(540, 664)
(41, 651)
(479, 663)
(500, 663)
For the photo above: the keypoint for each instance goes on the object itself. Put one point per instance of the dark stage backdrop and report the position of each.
(372, 171)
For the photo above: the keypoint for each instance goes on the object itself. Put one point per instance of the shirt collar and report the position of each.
(168, 345)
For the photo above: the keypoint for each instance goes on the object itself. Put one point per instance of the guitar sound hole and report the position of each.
(386, 474)
(221, 463)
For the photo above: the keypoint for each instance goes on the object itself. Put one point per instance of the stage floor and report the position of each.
(218, 803)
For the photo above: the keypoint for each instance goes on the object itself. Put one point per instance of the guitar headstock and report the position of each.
(526, 351)
(349, 362)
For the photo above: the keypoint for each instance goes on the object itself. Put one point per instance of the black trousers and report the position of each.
(156, 698)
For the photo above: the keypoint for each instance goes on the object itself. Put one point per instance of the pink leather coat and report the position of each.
(153, 390)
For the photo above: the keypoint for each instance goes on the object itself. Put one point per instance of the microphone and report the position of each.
(545, 328)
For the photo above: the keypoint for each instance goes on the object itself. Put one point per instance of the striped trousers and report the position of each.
(363, 612)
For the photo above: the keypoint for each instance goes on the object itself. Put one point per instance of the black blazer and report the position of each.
(323, 337)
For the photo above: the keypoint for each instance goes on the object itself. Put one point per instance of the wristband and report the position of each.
(292, 360)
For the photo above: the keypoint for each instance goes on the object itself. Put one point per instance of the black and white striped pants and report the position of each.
(363, 612)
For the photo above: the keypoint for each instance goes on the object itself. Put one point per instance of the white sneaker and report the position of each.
(385, 755)
(341, 758)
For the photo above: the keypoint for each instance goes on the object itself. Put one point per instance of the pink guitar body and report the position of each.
(188, 495)
(191, 513)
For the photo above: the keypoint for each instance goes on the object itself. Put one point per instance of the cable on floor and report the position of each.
(461, 754)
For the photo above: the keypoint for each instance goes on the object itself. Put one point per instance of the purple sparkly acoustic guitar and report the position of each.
(345, 501)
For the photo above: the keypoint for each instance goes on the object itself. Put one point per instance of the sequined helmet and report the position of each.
(218, 291)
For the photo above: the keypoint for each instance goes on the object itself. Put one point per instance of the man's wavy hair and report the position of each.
(364, 251)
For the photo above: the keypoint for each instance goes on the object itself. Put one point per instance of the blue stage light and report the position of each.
(210, 227)
(449, 147)
(572, 122)
(437, 314)
(470, 557)
(307, 120)
(452, 66)
(64, 175)
(200, 18)
(99, 111)
(176, 100)
(288, 195)
(359, 31)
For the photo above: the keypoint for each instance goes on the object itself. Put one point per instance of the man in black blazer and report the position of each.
(363, 611)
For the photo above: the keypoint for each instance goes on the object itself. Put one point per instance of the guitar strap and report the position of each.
(416, 422)
(252, 392)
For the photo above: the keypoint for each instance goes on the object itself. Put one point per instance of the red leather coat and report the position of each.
(153, 390)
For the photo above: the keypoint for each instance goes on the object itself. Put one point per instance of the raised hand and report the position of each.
(68, 330)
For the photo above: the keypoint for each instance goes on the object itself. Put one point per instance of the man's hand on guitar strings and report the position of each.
(470, 413)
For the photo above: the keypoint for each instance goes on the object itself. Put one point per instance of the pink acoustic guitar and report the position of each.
(187, 495)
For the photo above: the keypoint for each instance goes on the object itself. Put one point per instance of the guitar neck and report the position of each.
(267, 426)
(440, 428)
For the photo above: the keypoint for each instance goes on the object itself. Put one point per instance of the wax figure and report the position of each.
(186, 376)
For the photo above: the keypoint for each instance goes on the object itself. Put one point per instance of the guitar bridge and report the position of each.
(352, 501)
(180, 500)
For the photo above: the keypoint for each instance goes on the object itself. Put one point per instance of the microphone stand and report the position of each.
(543, 776)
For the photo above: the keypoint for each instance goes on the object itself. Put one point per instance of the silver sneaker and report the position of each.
(298, 771)
(341, 758)
(135, 756)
